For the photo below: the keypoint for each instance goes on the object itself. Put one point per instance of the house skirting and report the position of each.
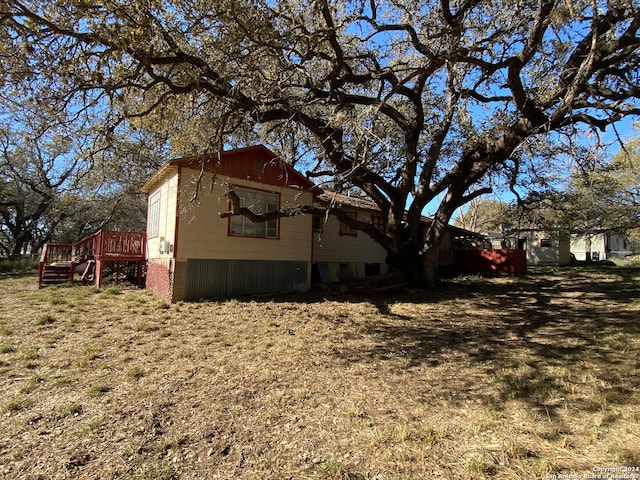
(196, 279)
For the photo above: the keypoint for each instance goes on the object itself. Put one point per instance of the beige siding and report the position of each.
(537, 254)
(330, 246)
(202, 234)
(167, 218)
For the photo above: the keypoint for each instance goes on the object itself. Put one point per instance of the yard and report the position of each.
(506, 378)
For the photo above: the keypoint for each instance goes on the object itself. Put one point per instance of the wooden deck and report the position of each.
(107, 252)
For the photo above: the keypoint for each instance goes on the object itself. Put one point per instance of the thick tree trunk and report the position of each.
(19, 246)
(420, 270)
(407, 263)
(429, 267)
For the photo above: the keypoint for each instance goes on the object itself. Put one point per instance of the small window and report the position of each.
(348, 230)
(258, 203)
(153, 222)
(317, 223)
(546, 242)
(378, 222)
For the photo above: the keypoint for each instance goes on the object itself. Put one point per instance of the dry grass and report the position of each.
(491, 378)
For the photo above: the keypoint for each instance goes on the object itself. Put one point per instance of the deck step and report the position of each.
(56, 275)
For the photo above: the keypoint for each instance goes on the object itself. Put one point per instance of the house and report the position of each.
(542, 247)
(195, 252)
(341, 253)
(602, 246)
(550, 247)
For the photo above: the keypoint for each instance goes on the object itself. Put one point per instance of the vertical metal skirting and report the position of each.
(231, 278)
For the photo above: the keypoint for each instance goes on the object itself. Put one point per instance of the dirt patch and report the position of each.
(488, 378)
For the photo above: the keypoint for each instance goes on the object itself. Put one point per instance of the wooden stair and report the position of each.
(56, 275)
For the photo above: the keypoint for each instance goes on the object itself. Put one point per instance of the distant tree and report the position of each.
(33, 173)
(605, 198)
(600, 195)
(416, 104)
(124, 210)
(486, 215)
(108, 194)
(60, 180)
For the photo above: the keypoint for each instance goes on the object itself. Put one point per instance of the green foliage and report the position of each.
(45, 319)
(486, 215)
(160, 471)
(606, 197)
(19, 266)
(69, 410)
(15, 404)
(112, 291)
(98, 390)
(602, 195)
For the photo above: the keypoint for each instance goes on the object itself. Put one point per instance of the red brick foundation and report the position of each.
(160, 280)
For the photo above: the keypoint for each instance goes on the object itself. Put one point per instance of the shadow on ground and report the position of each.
(539, 339)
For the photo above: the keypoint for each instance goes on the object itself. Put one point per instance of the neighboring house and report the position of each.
(545, 247)
(542, 247)
(193, 253)
(602, 246)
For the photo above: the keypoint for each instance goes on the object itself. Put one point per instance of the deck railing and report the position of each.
(85, 249)
(114, 243)
(54, 253)
(110, 244)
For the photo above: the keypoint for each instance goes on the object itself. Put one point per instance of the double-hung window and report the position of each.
(153, 225)
(259, 203)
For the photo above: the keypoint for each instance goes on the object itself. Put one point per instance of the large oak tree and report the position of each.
(413, 103)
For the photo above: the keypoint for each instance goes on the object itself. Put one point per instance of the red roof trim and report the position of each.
(288, 176)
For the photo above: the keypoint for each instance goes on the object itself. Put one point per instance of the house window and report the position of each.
(546, 242)
(378, 222)
(348, 230)
(258, 203)
(153, 224)
(317, 223)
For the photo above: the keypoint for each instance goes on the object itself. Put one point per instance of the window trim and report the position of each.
(153, 216)
(239, 188)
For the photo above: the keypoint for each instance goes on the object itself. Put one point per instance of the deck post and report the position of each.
(139, 273)
(99, 272)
